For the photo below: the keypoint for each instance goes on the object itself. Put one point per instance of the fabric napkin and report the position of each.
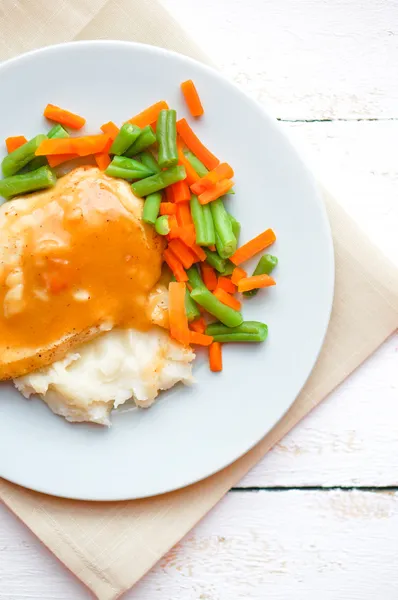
(109, 546)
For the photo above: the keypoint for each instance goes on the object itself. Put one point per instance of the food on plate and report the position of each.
(110, 273)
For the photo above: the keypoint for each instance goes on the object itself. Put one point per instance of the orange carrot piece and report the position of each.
(226, 284)
(200, 339)
(200, 253)
(12, 143)
(56, 146)
(167, 208)
(195, 145)
(183, 253)
(150, 114)
(175, 265)
(82, 146)
(237, 275)
(192, 175)
(103, 160)
(181, 191)
(169, 194)
(212, 248)
(184, 216)
(227, 299)
(222, 171)
(209, 276)
(192, 98)
(255, 282)
(57, 159)
(186, 233)
(199, 325)
(215, 357)
(177, 313)
(110, 129)
(59, 115)
(219, 189)
(173, 224)
(255, 245)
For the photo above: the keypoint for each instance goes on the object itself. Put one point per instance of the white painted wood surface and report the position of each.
(307, 61)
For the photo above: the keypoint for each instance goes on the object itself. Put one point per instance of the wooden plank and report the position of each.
(291, 545)
(312, 59)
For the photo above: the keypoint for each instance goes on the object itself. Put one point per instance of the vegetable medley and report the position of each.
(184, 186)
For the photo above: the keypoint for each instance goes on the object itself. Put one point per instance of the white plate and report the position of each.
(190, 433)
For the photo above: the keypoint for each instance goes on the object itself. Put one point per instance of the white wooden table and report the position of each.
(318, 518)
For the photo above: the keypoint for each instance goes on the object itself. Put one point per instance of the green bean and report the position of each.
(27, 182)
(203, 222)
(229, 267)
(248, 331)
(159, 181)
(196, 164)
(222, 225)
(127, 168)
(265, 266)
(162, 226)
(146, 138)
(194, 279)
(215, 261)
(191, 308)
(166, 135)
(151, 208)
(33, 165)
(57, 132)
(149, 161)
(235, 226)
(16, 160)
(127, 135)
(225, 314)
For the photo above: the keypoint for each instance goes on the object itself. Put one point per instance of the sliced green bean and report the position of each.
(162, 226)
(36, 163)
(215, 261)
(128, 133)
(148, 159)
(27, 182)
(265, 266)
(248, 331)
(166, 135)
(57, 132)
(223, 227)
(146, 138)
(194, 278)
(16, 160)
(196, 164)
(211, 234)
(151, 208)
(225, 314)
(127, 168)
(229, 267)
(159, 181)
(203, 222)
(236, 227)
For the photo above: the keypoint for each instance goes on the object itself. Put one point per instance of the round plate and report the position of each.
(189, 433)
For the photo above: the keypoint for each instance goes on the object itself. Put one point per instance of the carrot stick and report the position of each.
(187, 234)
(83, 146)
(12, 143)
(227, 299)
(222, 171)
(200, 253)
(56, 146)
(237, 275)
(192, 175)
(219, 189)
(173, 224)
(215, 357)
(184, 216)
(59, 115)
(175, 265)
(255, 282)
(181, 191)
(110, 129)
(177, 313)
(183, 253)
(195, 145)
(212, 248)
(103, 160)
(199, 325)
(57, 159)
(167, 208)
(169, 194)
(226, 284)
(209, 276)
(200, 339)
(192, 98)
(255, 245)
(150, 114)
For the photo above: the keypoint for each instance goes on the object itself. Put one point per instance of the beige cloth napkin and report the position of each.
(109, 546)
